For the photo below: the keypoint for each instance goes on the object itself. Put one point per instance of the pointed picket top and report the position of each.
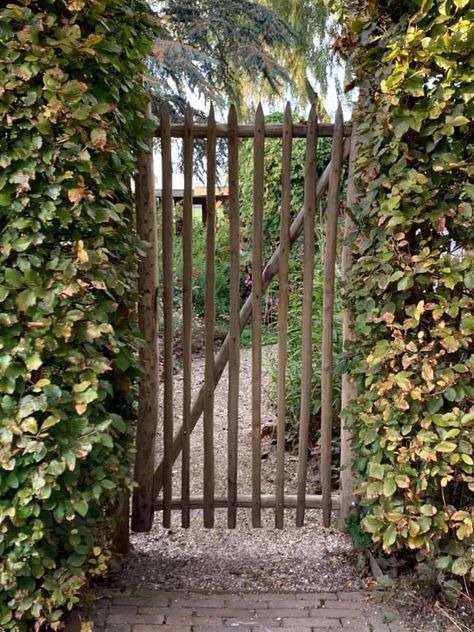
(259, 119)
(188, 115)
(232, 117)
(337, 141)
(287, 117)
(211, 117)
(339, 120)
(312, 130)
(313, 115)
(165, 114)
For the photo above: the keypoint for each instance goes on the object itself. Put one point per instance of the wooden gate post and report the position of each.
(347, 387)
(145, 202)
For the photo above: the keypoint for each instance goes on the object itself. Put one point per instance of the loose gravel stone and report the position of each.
(310, 558)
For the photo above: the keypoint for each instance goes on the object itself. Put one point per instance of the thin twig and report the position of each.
(458, 624)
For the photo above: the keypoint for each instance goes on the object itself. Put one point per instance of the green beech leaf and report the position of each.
(389, 487)
(33, 362)
(81, 506)
(376, 471)
(461, 566)
(428, 510)
(389, 536)
(5, 198)
(405, 283)
(6, 615)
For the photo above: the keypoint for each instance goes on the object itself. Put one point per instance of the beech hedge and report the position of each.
(71, 103)
(411, 286)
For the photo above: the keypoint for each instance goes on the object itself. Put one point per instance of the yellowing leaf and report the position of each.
(25, 300)
(82, 386)
(420, 308)
(450, 343)
(371, 524)
(402, 481)
(445, 446)
(99, 137)
(459, 120)
(50, 421)
(73, 90)
(29, 425)
(33, 362)
(76, 194)
(427, 371)
(389, 487)
(81, 252)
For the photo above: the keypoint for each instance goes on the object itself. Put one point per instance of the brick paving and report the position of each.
(158, 611)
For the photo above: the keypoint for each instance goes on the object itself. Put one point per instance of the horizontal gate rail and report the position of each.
(272, 130)
(268, 501)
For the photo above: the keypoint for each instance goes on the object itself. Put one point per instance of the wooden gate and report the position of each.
(154, 484)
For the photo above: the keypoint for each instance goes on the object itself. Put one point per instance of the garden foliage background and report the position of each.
(411, 286)
(71, 98)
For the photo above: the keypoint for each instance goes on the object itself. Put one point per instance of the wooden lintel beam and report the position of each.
(274, 130)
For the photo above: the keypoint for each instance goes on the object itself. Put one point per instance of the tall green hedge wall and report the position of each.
(411, 288)
(71, 103)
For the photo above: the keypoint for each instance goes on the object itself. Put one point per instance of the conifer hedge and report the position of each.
(71, 103)
(411, 289)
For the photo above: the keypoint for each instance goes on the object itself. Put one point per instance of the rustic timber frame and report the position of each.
(152, 480)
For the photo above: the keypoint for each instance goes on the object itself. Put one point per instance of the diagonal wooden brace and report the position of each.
(222, 356)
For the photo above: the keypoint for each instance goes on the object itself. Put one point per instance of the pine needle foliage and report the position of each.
(209, 47)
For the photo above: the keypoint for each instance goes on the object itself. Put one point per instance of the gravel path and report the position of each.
(310, 558)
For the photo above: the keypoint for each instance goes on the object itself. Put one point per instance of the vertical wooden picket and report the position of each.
(234, 325)
(187, 307)
(167, 250)
(310, 181)
(142, 505)
(283, 311)
(209, 316)
(257, 266)
(332, 213)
